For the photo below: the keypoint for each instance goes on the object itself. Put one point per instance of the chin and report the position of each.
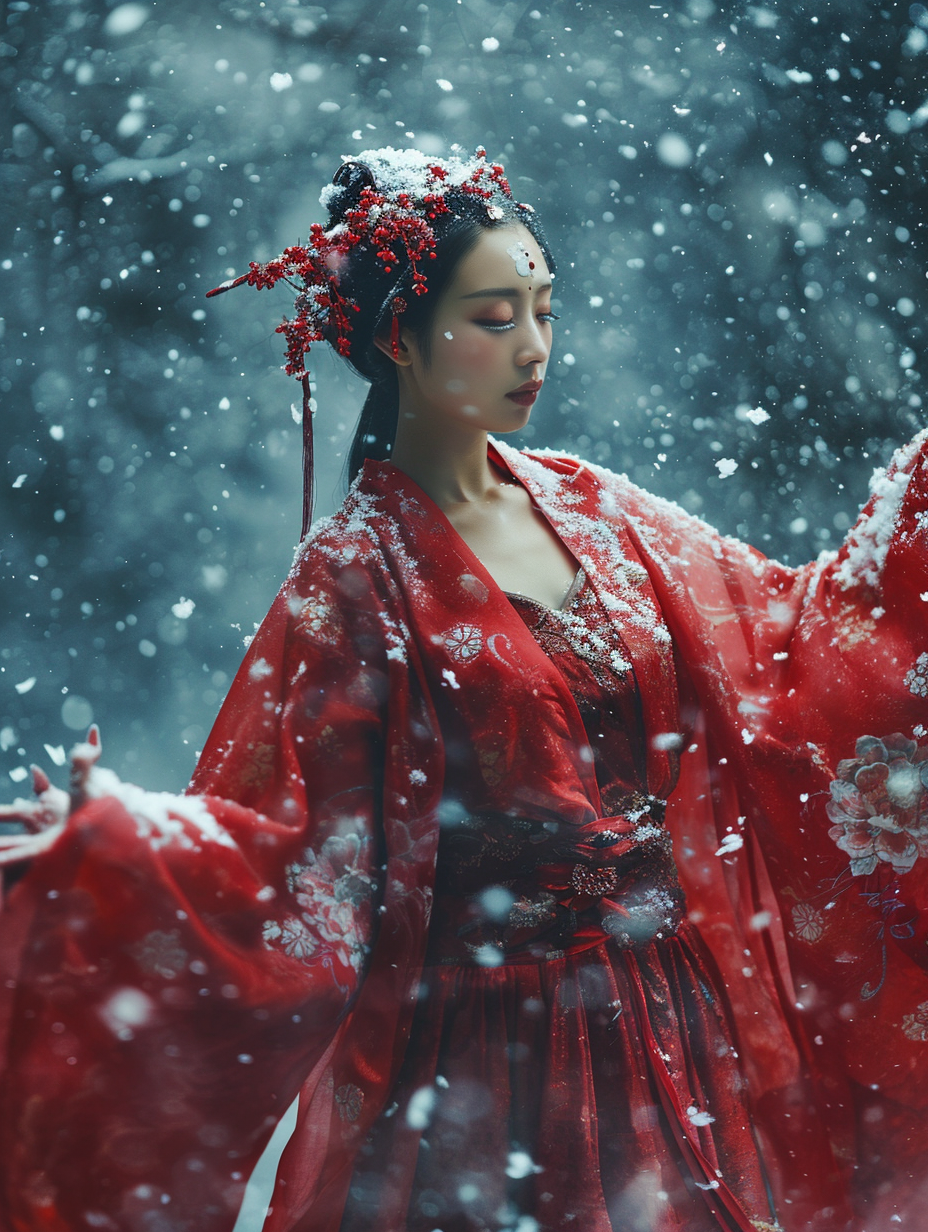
(498, 424)
(522, 421)
(513, 422)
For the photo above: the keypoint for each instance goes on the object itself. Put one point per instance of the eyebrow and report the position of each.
(505, 292)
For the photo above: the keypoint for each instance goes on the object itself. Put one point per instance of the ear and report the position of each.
(403, 357)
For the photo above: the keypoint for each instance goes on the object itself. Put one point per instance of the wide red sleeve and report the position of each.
(174, 966)
(800, 830)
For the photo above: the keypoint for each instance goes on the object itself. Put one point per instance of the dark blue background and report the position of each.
(734, 191)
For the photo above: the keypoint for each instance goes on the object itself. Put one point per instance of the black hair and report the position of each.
(365, 281)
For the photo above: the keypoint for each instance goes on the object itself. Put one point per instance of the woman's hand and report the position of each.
(46, 816)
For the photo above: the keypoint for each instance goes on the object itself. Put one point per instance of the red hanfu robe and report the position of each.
(175, 969)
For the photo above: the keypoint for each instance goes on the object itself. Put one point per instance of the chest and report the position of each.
(518, 547)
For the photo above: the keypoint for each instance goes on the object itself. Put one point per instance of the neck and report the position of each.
(448, 461)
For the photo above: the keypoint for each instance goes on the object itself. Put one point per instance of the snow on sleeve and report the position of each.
(868, 542)
(260, 669)
(161, 817)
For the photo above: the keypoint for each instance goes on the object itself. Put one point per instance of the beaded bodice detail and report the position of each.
(516, 889)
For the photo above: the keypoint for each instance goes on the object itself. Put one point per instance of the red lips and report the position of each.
(526, 394)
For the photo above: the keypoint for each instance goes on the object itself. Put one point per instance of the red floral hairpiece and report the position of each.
(403, 193)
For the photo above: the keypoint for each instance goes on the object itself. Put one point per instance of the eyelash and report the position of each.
(500, 327)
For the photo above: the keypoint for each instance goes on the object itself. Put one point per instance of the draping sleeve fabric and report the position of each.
(801, 834)
(175, 966)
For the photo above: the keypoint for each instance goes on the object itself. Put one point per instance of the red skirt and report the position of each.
(571, 1093)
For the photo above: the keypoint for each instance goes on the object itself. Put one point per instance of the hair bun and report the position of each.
(348, 182)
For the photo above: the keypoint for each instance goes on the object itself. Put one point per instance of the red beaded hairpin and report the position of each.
(396, 223)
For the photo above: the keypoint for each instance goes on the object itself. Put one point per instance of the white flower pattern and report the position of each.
(317, 619)
(335, 894)
(161, 953)
(916, 680)
(292, 936)
(349, 1100)
(463, 642)
(879, 804)
(808, 922)
(915, 1026)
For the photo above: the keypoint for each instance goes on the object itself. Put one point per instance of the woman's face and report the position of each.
(490, 340)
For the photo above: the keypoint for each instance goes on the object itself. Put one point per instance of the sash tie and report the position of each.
(623, 867)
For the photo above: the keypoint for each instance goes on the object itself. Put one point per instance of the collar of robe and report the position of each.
(438, 566)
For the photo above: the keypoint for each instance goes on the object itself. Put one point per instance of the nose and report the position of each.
(534, 347)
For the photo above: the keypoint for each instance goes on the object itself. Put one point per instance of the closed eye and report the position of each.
(500, 326)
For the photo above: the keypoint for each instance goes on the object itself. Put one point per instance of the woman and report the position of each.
(424, 870)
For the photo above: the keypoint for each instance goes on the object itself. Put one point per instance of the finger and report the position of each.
(34, 817)
(40, 780)
(21, 810)
(83, 759)
(17, 847)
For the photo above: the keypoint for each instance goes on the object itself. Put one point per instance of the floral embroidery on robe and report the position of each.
(136, 1080)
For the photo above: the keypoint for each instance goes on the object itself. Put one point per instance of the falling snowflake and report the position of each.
(697, 1116)
(730, 843)
(260, 669)
(520, 1165)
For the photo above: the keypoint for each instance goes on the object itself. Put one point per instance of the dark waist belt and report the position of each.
(612, 877)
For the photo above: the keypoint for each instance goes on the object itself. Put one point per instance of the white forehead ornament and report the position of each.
(524, 266)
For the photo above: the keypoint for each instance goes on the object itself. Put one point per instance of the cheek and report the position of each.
(466, 352)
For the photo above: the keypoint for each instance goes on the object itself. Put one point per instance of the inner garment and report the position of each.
(568, 1048)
